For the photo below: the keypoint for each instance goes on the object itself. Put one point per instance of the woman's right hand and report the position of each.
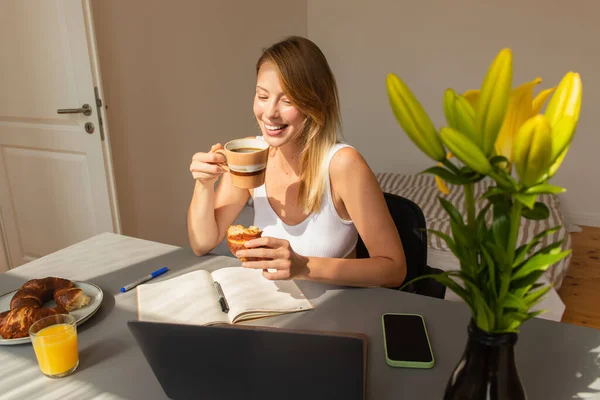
(205, 166)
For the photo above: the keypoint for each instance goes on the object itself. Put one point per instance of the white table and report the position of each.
(555, 361)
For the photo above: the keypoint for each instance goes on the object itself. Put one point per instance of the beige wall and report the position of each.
(434, 44)
(3, 255)
(178, 77)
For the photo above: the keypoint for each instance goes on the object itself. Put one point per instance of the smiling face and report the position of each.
(279, 121)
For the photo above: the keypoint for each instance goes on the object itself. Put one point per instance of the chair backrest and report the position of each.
(410, 222)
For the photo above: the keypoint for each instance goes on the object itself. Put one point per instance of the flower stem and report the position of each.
(513, 235)
(470, 204)
(515, 223)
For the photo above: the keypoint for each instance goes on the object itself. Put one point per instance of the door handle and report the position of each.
(85, 110)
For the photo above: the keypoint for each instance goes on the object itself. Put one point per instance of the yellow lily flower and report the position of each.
(442, 187)
(521, 107)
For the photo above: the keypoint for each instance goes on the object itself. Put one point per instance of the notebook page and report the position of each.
(186, 299)
(247, 290)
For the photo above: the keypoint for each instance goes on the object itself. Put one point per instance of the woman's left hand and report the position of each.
(279, 256)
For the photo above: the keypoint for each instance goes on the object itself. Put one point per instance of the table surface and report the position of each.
(554, 360)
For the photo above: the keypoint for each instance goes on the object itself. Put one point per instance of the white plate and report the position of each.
(81, 315)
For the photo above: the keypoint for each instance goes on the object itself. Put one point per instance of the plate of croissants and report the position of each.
(40, 298)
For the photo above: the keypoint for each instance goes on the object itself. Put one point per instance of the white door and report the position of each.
(56, 180)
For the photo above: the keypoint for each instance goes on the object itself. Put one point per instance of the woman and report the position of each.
(318, 193)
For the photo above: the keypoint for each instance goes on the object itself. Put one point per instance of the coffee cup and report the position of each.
(246, 161)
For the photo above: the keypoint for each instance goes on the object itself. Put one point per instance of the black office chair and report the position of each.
(410, 222)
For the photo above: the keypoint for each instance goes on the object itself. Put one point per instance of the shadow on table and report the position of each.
(586, 378)
(99, 352)
(570, 357)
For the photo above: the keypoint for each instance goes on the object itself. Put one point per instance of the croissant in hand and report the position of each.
(26, 304)
(238, 235)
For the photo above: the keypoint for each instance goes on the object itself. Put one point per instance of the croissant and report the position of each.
(26, 304)
(17, 322)
(237, 235)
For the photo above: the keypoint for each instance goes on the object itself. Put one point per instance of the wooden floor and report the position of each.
(580, 290)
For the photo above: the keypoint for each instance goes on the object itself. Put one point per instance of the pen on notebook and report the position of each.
(144, 279)
(222, 299)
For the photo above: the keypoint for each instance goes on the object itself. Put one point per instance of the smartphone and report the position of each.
(406, 341)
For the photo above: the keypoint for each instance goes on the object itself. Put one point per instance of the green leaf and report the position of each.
(501, 229)
(446, 175)
(534, 314)
(539, 212)
(484, 317)
(454, 214)
(491, 192)
(539, 262)
(449, 241)
(513, 319)
(503, 179)
(491, 271)
(482, 214)
(512, 301)
(498, 159)
(445, 280)
(522, 292)
(501, 205)
(551, 248)
(498, 253)
(481, 228)
(527, 281)
(537, 285)
(523, 250)
(460, 234)
(450, 165)
(528, 200)
(545, 188)
(512, 326)
(532, 298)
(458, 251)
(465, 170)
(464, 276)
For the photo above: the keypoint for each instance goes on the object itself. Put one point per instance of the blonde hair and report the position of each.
(307, 80)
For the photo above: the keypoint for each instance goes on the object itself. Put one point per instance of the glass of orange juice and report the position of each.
(54, 340)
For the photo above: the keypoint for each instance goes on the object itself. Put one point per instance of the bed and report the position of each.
(421, 189)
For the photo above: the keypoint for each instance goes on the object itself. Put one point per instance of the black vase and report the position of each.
(487, 369)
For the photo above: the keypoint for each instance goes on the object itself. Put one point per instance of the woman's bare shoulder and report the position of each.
(346, 161)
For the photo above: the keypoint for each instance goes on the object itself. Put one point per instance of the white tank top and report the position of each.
(322, 234)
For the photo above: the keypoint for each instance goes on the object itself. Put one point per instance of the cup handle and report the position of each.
(223, 165)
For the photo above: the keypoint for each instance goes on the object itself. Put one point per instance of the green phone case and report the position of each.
(407, 364)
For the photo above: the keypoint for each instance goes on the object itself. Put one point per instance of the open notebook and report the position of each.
(193, 299)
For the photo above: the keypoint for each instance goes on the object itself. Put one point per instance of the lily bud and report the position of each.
(493, 100)
(532, 150)
(465, 150)
(566, 100)
(413, 119)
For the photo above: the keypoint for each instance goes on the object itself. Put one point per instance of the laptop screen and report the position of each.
(242, 362)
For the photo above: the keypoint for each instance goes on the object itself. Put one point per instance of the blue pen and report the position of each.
(144, 279)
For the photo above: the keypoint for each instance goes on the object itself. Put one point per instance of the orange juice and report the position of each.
(56, 349)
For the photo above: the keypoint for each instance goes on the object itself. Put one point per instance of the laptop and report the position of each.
(248, 362)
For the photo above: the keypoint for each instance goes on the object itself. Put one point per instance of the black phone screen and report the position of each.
(406, 338)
